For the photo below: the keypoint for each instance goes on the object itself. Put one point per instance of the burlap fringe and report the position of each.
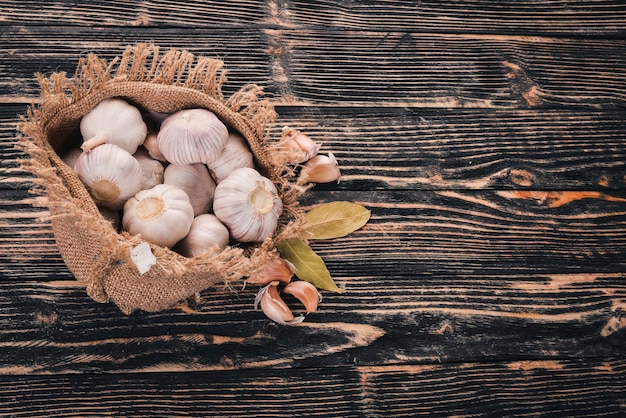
(69, 201)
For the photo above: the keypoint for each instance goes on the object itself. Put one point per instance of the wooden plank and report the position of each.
(451, 71)
(573, 388)
(259, 393)
(590, 18)
(521, 389)
(468, 16)
(126, 13)
(356, 68)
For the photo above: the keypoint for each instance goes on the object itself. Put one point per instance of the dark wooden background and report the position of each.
(488, 138)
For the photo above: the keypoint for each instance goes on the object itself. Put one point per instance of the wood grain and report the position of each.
(534, 388)
(354, 68)
(488, 140)
(588, 18)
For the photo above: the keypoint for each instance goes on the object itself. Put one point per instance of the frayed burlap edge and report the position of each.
(93, 251)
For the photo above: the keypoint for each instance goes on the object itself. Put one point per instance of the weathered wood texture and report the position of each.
(487, 138)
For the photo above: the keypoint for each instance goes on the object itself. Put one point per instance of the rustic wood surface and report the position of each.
(487, 138)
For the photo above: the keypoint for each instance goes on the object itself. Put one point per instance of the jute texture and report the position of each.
(94, 252)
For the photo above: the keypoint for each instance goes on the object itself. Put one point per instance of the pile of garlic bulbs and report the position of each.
(190, 184)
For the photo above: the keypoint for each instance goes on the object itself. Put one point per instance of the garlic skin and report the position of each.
(151, 145)
(151, 169)
(206, 232)
(306, 293)
(300, 146)
(195, 180)
(162, 215)
(320, 169)
(113, 121)
(110, 174)
(248, 204)
(192, 136)
(234, 155)
(71, 156)
(274, 307)
(278, 269)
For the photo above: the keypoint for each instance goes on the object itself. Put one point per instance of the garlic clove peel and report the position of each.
(306, 293)
(274, 307)
(299, 146)
(276, 270)
(320, 169)
(248, 204)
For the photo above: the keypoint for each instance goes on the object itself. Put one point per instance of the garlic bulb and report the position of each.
(152, 146)
(235, 155)
(192, 136)
(110, 174)
(113, 121)
(162, 215)
(195, 180)
(206, 232)
(71, 156)
(151, 169)
(248, 204)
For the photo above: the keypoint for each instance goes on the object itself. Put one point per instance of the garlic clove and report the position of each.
(110, 174)
(300, 146)
(113, 121)
(152, 146)
(71, 156)
(195, 180)
(320, 169)
(206, 232)
(274, 307)
(248, 204)
(278, 269)
(162, 215)
(192, 136)
(151, 169)
(306, 293)
(235, 155)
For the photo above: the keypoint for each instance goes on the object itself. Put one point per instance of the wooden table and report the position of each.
(487, 138)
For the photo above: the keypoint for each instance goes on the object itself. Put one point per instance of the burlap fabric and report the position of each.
(95, 253)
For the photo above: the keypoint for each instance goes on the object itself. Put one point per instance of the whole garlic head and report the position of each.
(235, 155)
(110, 174)
(248, 204)
(192, 136)
(162, 215)
(206, 232)
(113, 121)
(195, 180)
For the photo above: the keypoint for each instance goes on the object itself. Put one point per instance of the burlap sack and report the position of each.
(94, 252)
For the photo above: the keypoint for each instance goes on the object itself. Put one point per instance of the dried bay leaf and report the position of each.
(309, 266)
(335, 219)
